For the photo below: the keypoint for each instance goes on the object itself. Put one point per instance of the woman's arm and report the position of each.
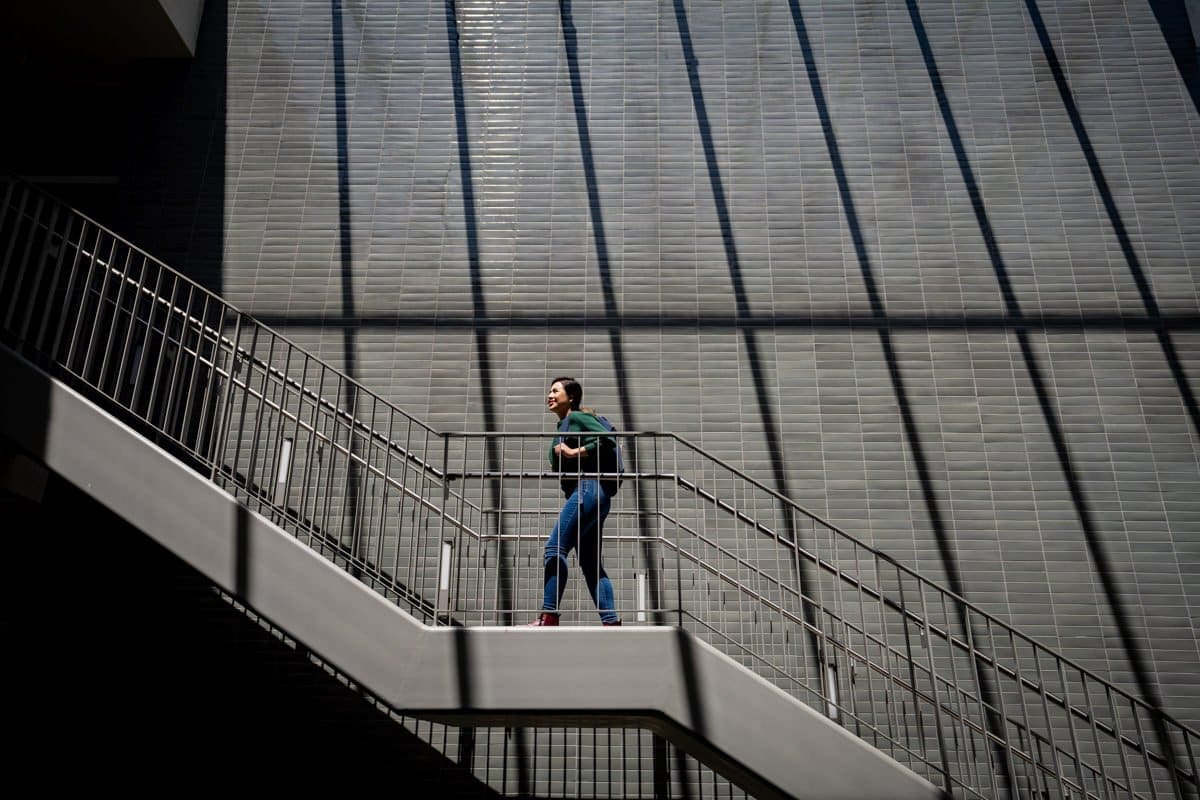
(567, 451)
(583, 422)
(580, 422)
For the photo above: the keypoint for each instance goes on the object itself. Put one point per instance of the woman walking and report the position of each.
(580, 524)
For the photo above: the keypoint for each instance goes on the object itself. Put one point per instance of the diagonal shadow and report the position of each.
(1114, 214)
(345, 242)
(924, 473)
(1143, 674)
(802, 573)
(483, 350)
(645, 510)
(1036, 377)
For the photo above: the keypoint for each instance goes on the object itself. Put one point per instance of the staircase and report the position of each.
(418, 551)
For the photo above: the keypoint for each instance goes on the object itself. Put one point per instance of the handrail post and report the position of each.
(678, 555)
(933, 685)
(908, 655)
(223, 419)
(442, 523)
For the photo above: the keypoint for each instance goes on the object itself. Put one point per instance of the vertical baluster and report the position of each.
(1054, 749)
(75, 243)
(197, 324)
(311, 451)
(75, 318)
(420, 518)
(911, 663)
(501, 612)
(11, 189)
(39, 271)
(1143, 748)
(262, 409)
(940, 732)
(890, 680)
(123, 381)
(143, 353)
(348, 518)
(208, 413)
(1189, 748)
(331, 414)
(1019, 681)
(697, 603)
(445, 510)
(246, 396)
(179, 317)
(167, 306)
(870, 713)
(223, 419)
(103, 293)
(107, 337)
(985, 712)
(1101, 767)
(1069, 715)
(385, 489)
(12, 241)
(274, 455)
(368, 483)
(402, 495)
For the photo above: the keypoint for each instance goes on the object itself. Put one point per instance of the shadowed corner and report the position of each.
(170, 197)
(1172, 18)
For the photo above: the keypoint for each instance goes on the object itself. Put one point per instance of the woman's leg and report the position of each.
(562, 539)
(591, 541)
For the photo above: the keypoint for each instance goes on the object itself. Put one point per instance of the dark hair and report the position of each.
(572, 388)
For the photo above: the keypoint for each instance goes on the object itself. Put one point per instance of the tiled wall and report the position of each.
(916, 255)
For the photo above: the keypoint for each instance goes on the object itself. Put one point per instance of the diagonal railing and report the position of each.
(451, 527)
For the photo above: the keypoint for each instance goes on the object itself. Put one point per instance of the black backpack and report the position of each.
(614, 463)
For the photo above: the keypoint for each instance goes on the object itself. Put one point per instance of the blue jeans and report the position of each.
(580, 525)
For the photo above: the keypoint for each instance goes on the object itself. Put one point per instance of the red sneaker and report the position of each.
(544, 621)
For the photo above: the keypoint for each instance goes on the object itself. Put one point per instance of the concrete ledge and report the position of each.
(658, 678)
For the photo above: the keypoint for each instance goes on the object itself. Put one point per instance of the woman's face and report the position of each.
(557, 401)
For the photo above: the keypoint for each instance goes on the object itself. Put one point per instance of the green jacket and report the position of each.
(578, 422)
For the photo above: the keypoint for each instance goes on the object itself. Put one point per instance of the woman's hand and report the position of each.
(561, 449)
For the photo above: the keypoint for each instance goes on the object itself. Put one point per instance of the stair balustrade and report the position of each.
(451, 527)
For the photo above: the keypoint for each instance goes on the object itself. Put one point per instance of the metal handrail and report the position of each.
(942, 632)
(813, 558)
(349, 461)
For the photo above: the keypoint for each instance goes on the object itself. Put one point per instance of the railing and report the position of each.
(451, 526)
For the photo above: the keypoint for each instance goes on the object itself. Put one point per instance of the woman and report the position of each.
(581, 522)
